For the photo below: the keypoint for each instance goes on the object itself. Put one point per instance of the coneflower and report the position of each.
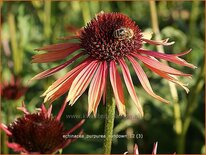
(107, 41)
(39, 132)
(12, 90)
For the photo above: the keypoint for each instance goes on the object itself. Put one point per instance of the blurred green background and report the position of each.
(178, 127)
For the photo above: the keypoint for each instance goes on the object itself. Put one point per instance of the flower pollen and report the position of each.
(110, 36)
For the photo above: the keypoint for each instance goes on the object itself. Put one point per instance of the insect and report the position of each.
(123, 33)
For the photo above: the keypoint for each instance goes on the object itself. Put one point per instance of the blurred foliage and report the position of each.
(32, 24)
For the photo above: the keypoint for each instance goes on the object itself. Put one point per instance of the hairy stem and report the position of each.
(109, 120)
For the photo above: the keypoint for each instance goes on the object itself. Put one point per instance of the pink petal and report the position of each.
(5, 128)
(130, 86)
(49, 111)
(63, 84)
(154, 151)
(105, 74)
(43, 109)
(54, 56)
(16, 147)
(81, 82)
(117, 88)
(53, 70)
(83, 64)
(169, 57)
(168, 77)
(58, 47)
(144, 80)
(136, 151)
(159, 42)
(61, 89)
(158, 65)
(59, 115)
(105, 87)
(96, 88)
(104, 94)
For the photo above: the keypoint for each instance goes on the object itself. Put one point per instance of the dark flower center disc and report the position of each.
(37, 134)
(110, 36)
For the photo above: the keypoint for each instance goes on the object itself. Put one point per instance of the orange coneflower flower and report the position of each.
(108, 41)
(39, 132)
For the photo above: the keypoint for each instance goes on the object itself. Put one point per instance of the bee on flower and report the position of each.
(108, 41)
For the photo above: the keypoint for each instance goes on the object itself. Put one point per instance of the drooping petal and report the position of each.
(96, 88)
(117, 88)
(105, 87)
(169, 57)
(62, 79)
(158, 65)
(53, 70)
(5, 128)
(63, 84)
(169, 77)
(81, 82)
(158, 42)
(144, 80)
(54, 56)
(61, 88)
(105, 74)
(58, 47)
(129, 84)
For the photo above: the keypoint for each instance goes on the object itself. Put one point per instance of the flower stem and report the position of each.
(109, 120)
(47, 19)
(16, 50)
(5, 149)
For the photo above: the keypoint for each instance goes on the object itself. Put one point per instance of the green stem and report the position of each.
(85, 11)
(109, 120)
(5, 149)
(16, 52)
(47, 19)
(194, 16)
(191, 107)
